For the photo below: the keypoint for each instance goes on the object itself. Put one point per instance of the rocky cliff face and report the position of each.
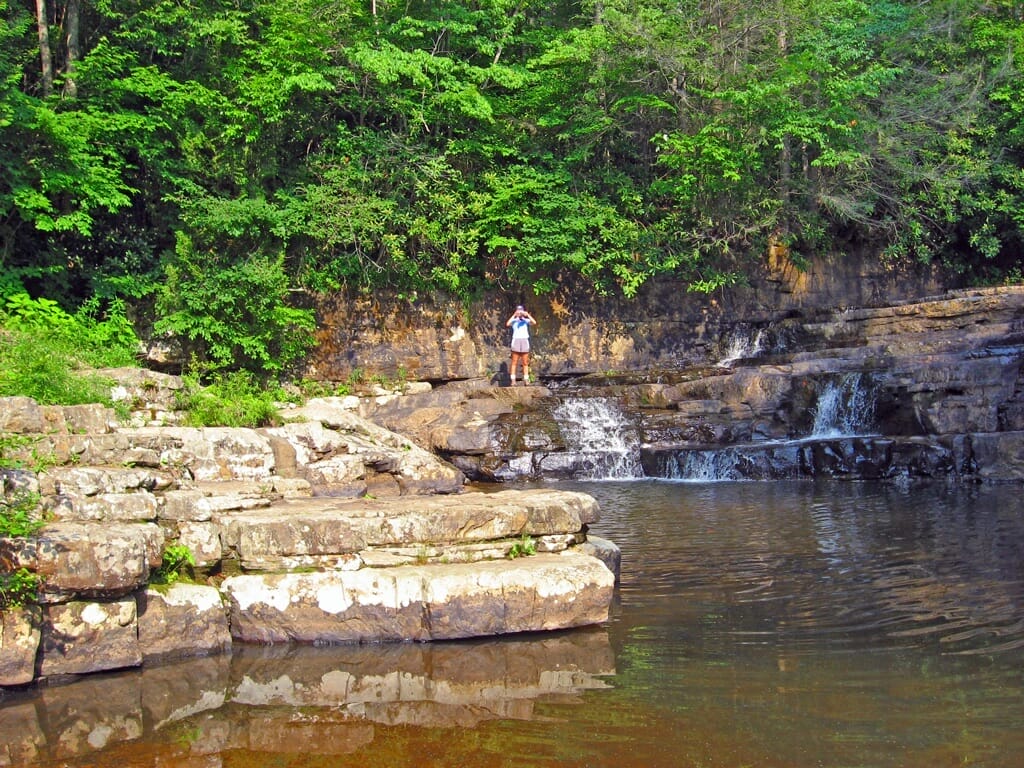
(665, 327)
(929, 388)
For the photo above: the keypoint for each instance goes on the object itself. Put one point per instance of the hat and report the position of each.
(520, 307)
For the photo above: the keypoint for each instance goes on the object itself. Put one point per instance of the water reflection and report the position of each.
(778, 625)
(832, 563)
(266, 697)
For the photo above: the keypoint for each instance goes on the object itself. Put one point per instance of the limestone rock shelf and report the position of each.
(314, 532)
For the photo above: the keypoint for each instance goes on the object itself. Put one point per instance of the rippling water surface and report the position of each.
(756, 624)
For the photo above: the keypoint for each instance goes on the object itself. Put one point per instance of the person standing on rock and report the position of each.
(520, 323)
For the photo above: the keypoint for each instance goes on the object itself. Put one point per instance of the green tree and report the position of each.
(227, 294)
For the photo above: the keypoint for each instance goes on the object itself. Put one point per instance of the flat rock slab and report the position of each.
(429, 602)
(322, 526)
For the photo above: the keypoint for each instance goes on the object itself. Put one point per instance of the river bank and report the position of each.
(326, 529)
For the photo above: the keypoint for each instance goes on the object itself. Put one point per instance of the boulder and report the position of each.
(606, 551)
(336, 446)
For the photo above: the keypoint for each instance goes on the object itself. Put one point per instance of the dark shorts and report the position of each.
(520, 345)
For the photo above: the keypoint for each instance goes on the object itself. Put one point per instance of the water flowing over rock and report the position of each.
(919, 389)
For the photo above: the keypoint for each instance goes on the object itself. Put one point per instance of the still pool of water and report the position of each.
(756, 624)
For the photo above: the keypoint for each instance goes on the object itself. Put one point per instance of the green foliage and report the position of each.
(46, 353)
(233, 315)
(219, 157)
(522, 548)
(18, 588)
(233, 399)
(543, 229)
(19, 514)
(178, 564)
(99, 339)
(33, 365)
(12, 444)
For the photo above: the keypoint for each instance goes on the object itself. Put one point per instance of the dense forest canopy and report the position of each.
(213, 158)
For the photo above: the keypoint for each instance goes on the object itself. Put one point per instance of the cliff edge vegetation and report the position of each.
(214, 167)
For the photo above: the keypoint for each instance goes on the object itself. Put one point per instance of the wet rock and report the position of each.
(999, 456)
(19, 643)
(604, 550)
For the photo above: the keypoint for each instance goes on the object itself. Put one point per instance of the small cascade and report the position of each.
(846, 407)
(701, 466)
(766, 461)
(743, 345)
(840, 444)
(601, 443)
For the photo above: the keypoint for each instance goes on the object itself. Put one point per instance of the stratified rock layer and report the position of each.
(428, 602)
(941, 380)
(286, 514)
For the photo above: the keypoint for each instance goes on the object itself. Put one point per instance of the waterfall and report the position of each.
(602, 442)
(742, 345)
(765, 461)
(845, 407)
(702, 466)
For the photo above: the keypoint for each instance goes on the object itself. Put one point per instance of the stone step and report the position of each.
(322, 531)
(87, 559)
(429, 602)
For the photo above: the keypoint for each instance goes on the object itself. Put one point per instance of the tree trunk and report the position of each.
(71, 25)
(786, 151)
(45, 57)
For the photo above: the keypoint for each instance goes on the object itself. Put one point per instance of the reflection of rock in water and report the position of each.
(249, 700)
(443, 685)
